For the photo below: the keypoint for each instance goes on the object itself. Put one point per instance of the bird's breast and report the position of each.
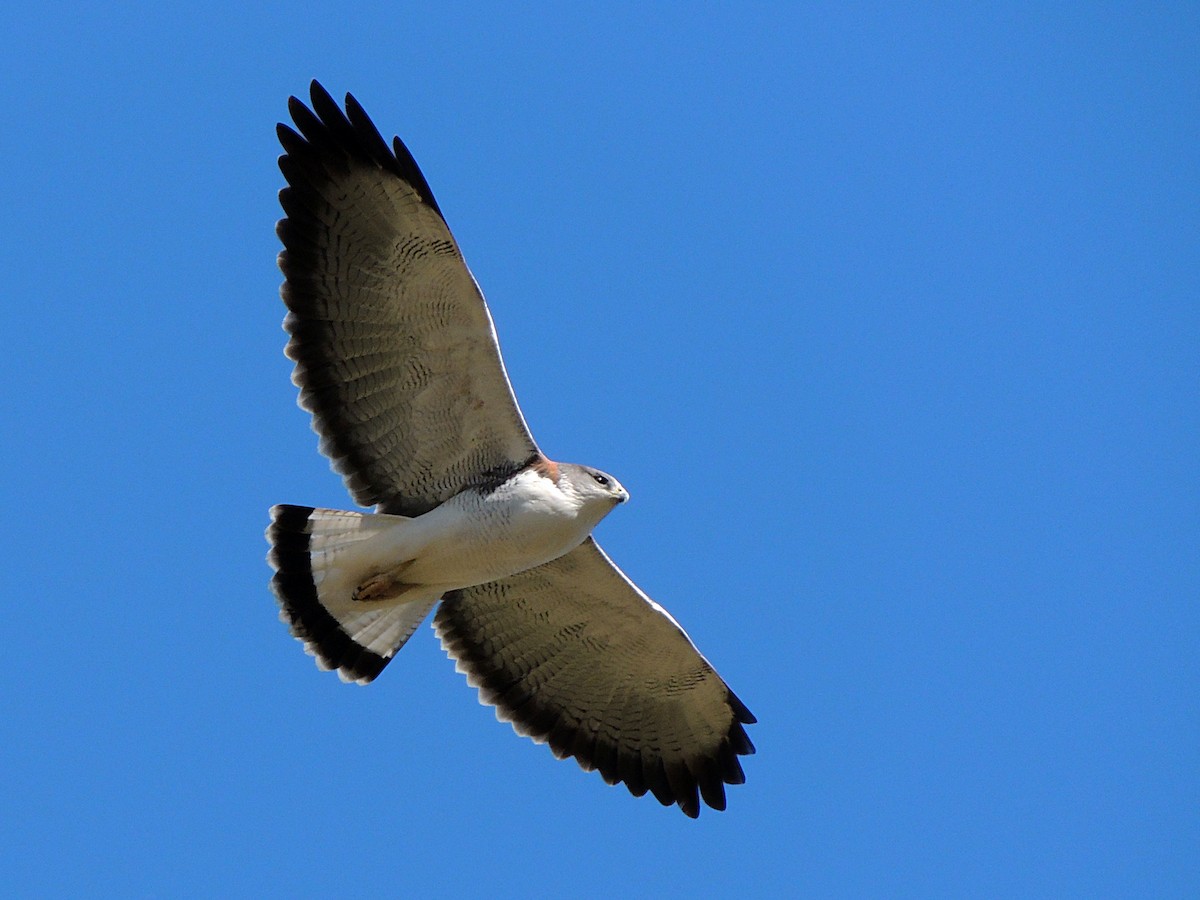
(479, 536)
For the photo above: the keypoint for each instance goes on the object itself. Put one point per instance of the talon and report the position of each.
(377, 587)
(384, 586)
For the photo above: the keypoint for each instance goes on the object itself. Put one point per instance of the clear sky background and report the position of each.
(887, 317)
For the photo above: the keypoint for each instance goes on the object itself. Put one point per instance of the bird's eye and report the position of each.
(600, 479)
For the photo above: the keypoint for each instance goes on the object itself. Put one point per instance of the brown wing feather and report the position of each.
(573, 654)
(396, 356)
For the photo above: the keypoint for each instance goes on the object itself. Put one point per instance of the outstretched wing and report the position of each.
(572, 653)
(396, 355)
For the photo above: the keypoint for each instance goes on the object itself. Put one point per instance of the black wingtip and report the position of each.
(328, 128)
(316, 89)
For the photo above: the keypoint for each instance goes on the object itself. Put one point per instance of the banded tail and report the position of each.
(320, 556)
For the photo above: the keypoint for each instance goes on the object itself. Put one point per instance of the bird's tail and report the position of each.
(320, 557)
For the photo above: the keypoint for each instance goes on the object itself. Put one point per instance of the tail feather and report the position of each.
(320, 557)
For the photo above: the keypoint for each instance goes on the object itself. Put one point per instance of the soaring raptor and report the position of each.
(397, 360)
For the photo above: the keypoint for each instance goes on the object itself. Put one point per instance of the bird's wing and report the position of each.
(396, 355)
(572, 653)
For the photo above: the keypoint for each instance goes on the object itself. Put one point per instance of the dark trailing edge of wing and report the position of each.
(327, 131)
(704, 774)
(293, 586)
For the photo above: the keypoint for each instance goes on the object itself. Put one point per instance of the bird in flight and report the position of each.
(397, 360)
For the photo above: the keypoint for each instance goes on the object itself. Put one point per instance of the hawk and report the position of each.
(397, 360)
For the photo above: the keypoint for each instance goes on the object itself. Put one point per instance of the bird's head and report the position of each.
(593, 488)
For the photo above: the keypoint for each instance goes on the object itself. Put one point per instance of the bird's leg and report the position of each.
(383, 586)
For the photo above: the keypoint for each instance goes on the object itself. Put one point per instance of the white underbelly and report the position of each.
(472, 539)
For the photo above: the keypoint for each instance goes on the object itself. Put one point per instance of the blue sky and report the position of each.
(887, 317)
